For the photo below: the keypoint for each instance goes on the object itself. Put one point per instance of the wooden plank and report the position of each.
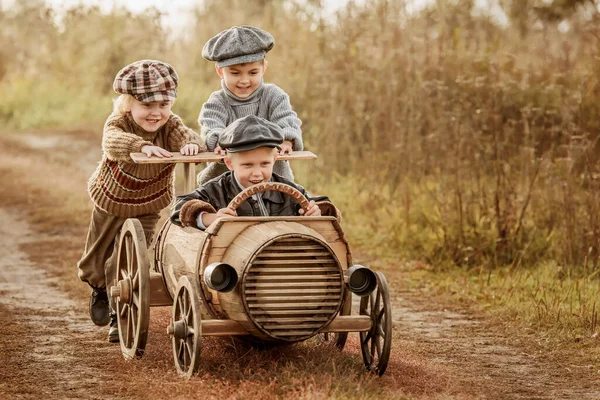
(222, 327)
(333, 284)
(288, 270)
(288, 298)
(142, 158)
(286, 320)
(295, 306)
(285, 278)
(288, 312)
(349, 323)
(278, 247)
(297, 292)
(292, 262)
(277, 327)
(159, 296)
(271, 254)
(189, 177)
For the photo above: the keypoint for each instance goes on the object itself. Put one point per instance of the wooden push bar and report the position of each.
(190, 173)
(141, 158)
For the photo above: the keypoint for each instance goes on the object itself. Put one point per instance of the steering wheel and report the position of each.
(265, 186)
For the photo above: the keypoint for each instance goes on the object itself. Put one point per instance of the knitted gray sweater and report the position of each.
(268, 101)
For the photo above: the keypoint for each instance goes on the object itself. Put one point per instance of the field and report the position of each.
(462, 153)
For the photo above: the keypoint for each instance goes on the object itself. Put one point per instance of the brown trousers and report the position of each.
(98, 264)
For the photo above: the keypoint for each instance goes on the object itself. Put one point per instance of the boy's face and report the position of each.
(243, 79)
(253, 166)
(151, 116)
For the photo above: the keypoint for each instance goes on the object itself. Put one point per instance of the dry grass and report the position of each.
(443, 137)
(59, 213)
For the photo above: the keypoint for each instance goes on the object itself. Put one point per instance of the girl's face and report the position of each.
(243, 79)
(151, 116)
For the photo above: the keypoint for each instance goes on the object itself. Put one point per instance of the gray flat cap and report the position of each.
(250, 133)
(238, 45)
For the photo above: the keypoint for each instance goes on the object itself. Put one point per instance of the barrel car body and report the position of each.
(265, 280)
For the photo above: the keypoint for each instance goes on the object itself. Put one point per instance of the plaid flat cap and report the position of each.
(147, 81)
(238, 45)
(249, 133)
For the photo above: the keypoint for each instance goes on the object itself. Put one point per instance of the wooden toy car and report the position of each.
(273, 280)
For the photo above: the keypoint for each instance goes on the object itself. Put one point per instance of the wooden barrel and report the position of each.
(291, 283)
(290, 271)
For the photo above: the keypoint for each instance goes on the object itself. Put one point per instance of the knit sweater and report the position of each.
(268, 101)
(125, 189)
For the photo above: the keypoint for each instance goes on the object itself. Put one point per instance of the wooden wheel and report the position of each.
(377, 342)
(338, 339)
(132, 289)
(265, 186)
(185, 328)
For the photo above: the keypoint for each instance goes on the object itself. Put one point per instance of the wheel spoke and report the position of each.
(185, 354)
(376, 304)
(123, 312)
(368, 337)
(136, 300)
(180, 350)
(134, 320)
(129, 340)
(373, 344)
(180, 307)
(135, 282)
(378, 348)
(129, 252)
(123, 273)
(189, 313)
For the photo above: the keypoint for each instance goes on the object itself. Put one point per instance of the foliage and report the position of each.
(442, 134)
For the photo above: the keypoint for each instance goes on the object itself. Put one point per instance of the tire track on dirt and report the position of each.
(43, 315)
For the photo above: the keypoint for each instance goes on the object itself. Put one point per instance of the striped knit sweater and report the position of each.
(268, 101)
(125, 189)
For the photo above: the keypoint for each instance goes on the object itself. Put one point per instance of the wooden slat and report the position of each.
(285, 278)
(276, 247)
(296, 269)
(176, 157)
(294, 333)
(296, 292)
(294, 306)
(284, 320)
(290, 312)
(313, 261)
(287, 298)
(222, 327)
(349, 323)
(277, 327)
(333, 284)
(270, 254)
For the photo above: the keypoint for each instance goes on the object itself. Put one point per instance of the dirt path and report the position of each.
(51, 349)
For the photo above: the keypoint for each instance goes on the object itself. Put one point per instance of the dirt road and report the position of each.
(51, 349)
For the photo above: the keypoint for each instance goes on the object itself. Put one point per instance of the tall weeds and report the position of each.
(442, 135)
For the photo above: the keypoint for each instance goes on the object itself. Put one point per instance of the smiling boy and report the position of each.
(252, 145)
(239, 56)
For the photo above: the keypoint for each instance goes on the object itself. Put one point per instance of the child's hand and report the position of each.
(286, 147)
(156, 151)
(219, 151)
(226, 212)
(190, 149)
(313, 210)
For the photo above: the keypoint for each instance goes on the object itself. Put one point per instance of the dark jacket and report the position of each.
(218, 192)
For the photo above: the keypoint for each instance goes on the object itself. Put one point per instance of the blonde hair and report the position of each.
(122, 104)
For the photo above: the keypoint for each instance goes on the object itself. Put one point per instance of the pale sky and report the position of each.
(176, 9)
